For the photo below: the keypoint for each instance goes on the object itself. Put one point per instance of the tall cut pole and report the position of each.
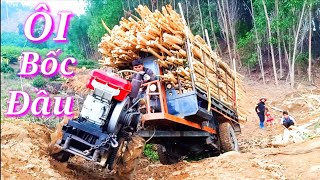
(205, 68)
(188, 49)
(235, 84)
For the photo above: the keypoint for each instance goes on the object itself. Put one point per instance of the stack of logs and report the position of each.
(163, 35)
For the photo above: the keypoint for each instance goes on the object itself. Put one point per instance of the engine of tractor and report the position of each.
(107, 118)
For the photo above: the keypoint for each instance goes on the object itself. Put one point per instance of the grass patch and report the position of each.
(89, 64)
(151, 153)
(6, 68)
(39, 81)
(11, 82)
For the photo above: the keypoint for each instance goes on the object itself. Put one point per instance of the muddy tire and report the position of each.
(61, 156)
(113, 158)
(164, 157)
(228, 138)
(130, 155)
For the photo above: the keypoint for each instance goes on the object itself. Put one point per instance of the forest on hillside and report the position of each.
(282, 36)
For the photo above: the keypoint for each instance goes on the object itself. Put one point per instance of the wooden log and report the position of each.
(152, 51)
(196, 52)
(162, 63)
(182, 52)
(174, 39)
(163, 35)
(174, 60)
(162, 48)
(176, 47)
(184, 72)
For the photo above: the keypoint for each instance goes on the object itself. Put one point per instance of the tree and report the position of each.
(257, 43)
(270, 42)
(310, 45)
(215, 40)
(79, 38)
(224, 26)
(295, 46)
(278, 37)
(109, 11)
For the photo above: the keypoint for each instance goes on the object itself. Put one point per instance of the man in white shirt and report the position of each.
(287, 120)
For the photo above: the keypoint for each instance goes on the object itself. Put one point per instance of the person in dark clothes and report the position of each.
(260, 110)
(147, 74)
(287, 120)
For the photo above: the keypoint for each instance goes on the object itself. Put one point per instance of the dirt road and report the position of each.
(24, 149)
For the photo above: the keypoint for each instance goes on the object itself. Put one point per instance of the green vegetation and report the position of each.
(39, 81)
(150, 152)
(5, 68)
(302, 59)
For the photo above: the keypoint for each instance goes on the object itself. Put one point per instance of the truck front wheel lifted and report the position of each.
(228, 137)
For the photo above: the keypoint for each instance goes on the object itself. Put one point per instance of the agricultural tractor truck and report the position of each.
(112, 128)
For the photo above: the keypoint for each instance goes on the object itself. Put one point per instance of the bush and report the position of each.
(302, 59)
(5, 68)
(54, 78)
(12, 39)
(10, 75)
(89, 64)
(150, 152)
(252, 60)
(13, 52)
(39, 82)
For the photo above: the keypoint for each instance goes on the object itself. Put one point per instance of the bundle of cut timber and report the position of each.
(163, 34)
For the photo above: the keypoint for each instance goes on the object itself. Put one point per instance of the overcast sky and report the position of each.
(75, 6)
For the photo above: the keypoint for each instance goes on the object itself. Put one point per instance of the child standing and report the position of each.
(269, 118)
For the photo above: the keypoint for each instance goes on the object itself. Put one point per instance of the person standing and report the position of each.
(260, 110)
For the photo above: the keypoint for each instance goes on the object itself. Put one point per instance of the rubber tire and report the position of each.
(164, 157)
(228, 138)
(128, 161)
(115, 155)
(61, 156)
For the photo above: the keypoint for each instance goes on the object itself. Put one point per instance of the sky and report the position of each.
(75, 6)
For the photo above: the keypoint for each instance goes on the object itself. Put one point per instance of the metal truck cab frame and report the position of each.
(187, 108)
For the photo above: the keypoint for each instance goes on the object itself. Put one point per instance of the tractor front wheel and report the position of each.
(128, 160)
(61, 156)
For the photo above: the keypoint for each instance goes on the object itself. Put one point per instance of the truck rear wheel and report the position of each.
(164, 157)
(228, 137)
